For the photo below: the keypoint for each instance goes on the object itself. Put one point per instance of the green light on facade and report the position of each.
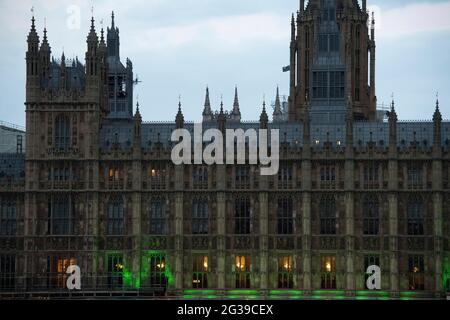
(200, 291)
(329, 292)
(372, 293)
(286, 292)
(446, 274)
(243, 292)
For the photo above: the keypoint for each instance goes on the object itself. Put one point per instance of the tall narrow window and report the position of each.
(328, 280)
(115, 271)
(415, 177)
(7, 217)
(337, 85)
(327, 177)
(200, 272)
(371, 216)
(7, 272)
(242, 177)
(415, 217)
(62, 133)
(242, 270)
(200, 177)
(320, 85)
(115, 223)
(200, 215)
(242, 216)
(416, 268)
(158, 267)
(371, 175)
(158, 216)
(285, 272)
(61, 215)
(285, 176)
(327, 215)
(285, 216)
(57, 268)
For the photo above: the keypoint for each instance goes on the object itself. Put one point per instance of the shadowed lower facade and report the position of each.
(96, 186)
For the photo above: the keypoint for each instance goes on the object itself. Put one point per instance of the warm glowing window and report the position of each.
(115, 271)
(285, 272)
(242, 270)
(200, 272)
(328, 280)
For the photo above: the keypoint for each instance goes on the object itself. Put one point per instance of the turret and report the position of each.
(437, 124)
(179, 119)
(236, 113)
(32, 58)
(277, 114)
(264, 118)
(207, 113)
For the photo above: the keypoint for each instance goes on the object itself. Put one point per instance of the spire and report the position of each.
(207, 113)
(112, 21)
(179, 119)
(437, 117)
(293, 28)
(277, 111)
(372, 27)
(236, 112)
(263, 119)
(33, 36)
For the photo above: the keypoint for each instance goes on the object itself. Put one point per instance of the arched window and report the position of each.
(285, 217)
(416, 216)
(157, 216)
(62, 133)
(115, 216)
(371, 216)
(242, 216)
(328, 215)
(200, 216)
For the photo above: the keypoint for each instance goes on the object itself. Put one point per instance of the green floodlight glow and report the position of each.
(130, 281)
(372, 293)
(286, 292)
(199, 291)
(446, 274)
(409, 294)
(329, 292)
(242, 292)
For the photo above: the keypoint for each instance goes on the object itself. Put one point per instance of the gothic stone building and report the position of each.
(96, 186)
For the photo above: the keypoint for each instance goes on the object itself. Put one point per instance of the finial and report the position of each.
(179, 102)
(437, 100)
(112, 20)
(393, 102)
(33, 27)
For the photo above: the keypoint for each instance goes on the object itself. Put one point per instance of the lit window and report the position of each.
(200, 272)
(285, 272)
(242, 272)
(328, 280)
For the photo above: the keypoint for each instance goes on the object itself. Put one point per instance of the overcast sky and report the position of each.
(180, 46)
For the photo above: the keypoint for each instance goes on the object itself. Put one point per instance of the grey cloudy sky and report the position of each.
(180, 46)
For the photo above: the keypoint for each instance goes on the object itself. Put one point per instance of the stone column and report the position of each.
(221, 227)
(178, 236)
(393, 228)
(349, 226)
(306, 223)
(438, 224)
(263, 240)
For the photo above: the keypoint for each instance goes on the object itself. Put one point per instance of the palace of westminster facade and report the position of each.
(96, 187)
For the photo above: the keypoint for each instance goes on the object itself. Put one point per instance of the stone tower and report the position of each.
(329, 61)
